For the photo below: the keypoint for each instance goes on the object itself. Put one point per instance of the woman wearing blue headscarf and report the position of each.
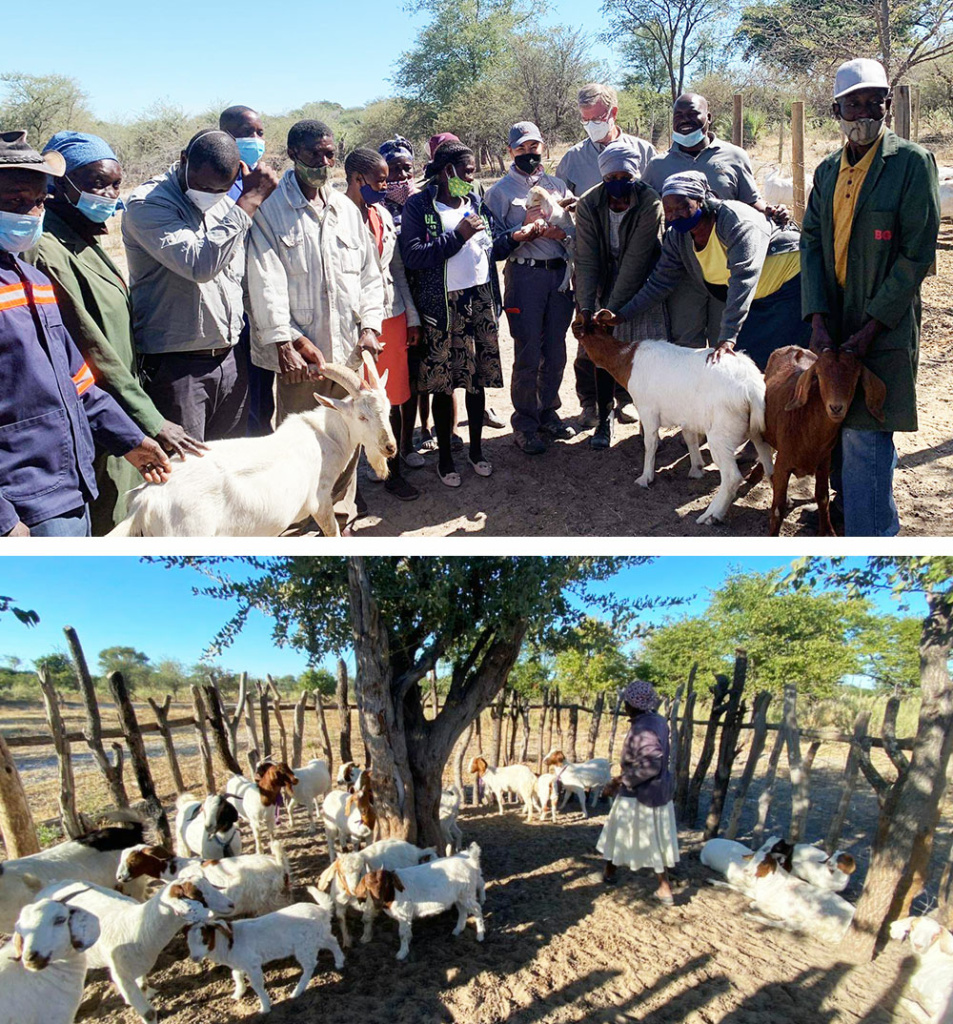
(93, 299)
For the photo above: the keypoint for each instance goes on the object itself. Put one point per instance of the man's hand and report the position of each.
(415, 336)
(151, 461)
(20, 530)
(725, 348)
(779, 214)
(860, 341)
(553, 231)
(820, 339)
(370, 341)
(606, 318)
(295, 357)
(569, 203)
(469, 226)
(529, 231)
(176, 441)
(257, 186)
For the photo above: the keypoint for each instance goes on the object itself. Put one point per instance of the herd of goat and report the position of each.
(84, 903)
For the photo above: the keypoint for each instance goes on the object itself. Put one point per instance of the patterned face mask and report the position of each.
(457, 186)
(399, 191)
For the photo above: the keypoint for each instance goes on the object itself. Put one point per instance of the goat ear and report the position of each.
(83, 928)
(31, 882)
(802, 389)
(383, 380)
(946, 942)
(920, 942)
(875, 393)
(17, 946)
(330, 403)
(398, 884)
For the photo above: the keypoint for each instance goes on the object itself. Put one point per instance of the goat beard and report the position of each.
(378, 464)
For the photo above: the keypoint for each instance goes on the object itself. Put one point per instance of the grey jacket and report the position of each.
(185, 268)
(646, 761)
(748, 237)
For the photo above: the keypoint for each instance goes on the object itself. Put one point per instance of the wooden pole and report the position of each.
(251, 731)
(541, 752)
(93, 733)
(738, 121)
(595, 723)
(797, 159)
(799, 792)
(764, 800)
(72, 822)
(514, 722)
(684, 756)
(297, 734)
(434, 700)
(524, 743)
(902, 111)
(781, 139)
(553, 712)
(198, 707)
(861, 725)
(137, 755)
(559, 721)
(572, 730)
(478, 729)
(263, 705)
(232, 721)
(728, 746)
(16, 821)
(282, 731)
(458, 762)
(216, 720)
(673, 729)
(162, 720)
(344, 714)
(759, 719)
(323, 725)
(916, 113)
(497, 711)
(718, 707)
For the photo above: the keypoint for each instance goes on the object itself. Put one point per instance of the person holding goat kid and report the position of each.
(641, 831)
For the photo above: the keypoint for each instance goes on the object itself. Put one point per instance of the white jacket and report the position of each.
(320, 277)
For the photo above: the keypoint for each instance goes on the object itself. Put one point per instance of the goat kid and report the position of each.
(512, 778)
(314, 783)
(43, 967)
(207, 828)
(259, 486)
(300, 931)
(349, 819)
(544, 794)
(449, 829)
(930, 986)
(580, 779)
(549, 207)
(825, 871)
(672, 386)
(257, 802)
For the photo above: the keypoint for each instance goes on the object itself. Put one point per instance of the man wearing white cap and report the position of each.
(867, 242)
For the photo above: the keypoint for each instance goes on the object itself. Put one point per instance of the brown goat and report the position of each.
(806, 399)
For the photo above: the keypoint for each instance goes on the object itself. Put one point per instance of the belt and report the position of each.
(525, 261)
(202, 353)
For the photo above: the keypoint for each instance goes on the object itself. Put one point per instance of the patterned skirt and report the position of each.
(635, 836)
(467, 354)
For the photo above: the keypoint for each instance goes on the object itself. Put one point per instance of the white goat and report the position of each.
(545, 794)
(300, 931)
(256, 883)
(343, 822)
(208, 828)
(930, 985)
(132, 935)
(43, 969)
(342, 878)
(579, 779)
(449, 829)
(427, 890)
(257, 802)
(673, 386)
(314, 783)
(93, 857)
(556, 215)
(813, 865)
(512, 778)
(259, 486)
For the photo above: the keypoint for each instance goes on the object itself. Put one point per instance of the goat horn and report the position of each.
(373, 377)
(347, 378)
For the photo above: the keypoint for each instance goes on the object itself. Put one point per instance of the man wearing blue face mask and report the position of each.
(94, 301)
(52, 413)
(696, 315)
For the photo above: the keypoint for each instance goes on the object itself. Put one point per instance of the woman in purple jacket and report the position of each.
(640, 831)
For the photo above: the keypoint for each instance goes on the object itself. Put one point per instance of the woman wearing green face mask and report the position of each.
(452, 243)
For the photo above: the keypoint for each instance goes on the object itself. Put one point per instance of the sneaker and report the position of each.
(603, 436)
(401, 489)
(626, 413)
(491, 418)
(530, 444)
(589, 417)
(557, 430)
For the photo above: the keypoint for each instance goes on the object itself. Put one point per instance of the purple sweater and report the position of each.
(646, 774)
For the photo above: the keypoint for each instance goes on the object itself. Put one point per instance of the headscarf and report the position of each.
(396, 147)
(438, 140)
(80, 149)
(619, 156)
(640, 694)
(690, 184)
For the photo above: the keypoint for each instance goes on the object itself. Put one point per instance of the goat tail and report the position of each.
(279, 856)
(756, 412)
(322, 899)
(473, 853)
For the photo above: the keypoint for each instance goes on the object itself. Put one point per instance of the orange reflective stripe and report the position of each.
(13, 295)
(83, 379)
(43, 294)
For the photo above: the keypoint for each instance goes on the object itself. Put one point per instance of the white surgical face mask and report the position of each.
(688, 139)
(203, 201)
(598, 130)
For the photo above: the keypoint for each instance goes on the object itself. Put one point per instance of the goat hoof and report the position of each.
(696, 474)
(644, 481)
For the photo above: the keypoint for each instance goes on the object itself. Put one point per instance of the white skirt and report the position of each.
(635, 836)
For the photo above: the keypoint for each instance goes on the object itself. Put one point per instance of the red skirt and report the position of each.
(394, 359)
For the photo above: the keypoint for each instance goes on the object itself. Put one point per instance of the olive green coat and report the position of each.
(892, 248)
(94, 301)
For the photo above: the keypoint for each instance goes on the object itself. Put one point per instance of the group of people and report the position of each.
(243, 284)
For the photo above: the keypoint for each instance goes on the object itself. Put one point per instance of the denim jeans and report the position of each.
(865, 482)
(70, 524)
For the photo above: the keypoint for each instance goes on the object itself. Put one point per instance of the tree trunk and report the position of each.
(93, 733)
(718, 707)
(458, 762)
(137, 755)
(344, 714)
(595, 723)
(16, 821)
(759, 720)
(198, 709)
(944, 912)
(434, 701)
(728, 747)
(861, 724)
(572, 730)
(162, 720)
(899, 863)
(325, 738)
(69, 816)
(216, 719)
(297, 734)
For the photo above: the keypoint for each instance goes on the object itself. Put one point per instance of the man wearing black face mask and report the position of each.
(537, 298)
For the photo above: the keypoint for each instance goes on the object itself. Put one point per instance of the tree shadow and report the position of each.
(801, 999)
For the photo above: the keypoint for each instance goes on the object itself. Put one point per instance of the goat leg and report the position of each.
(822, 496)
(779, 498)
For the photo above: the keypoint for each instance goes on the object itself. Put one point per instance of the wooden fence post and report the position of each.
(93, 733)
(797, 159)
(16, 821)
(541, 752)
(232, 721)
(297, 734)
(916, 113)
(902, 111)
(198, 709)
(251, 730)
(458, 762)
(553, 715)
(344, 714)
(571, 731)
(524, 719)
(728, 747)
(684, 756)
(497, 710)
(767, 792)
(72, 822)
(718, 707)
(738, 121)
(673, 728)
(282, 732)
(514, 722)
(137, 755)
(216, 719)
(323, 725)
(595, 723)
(263, 705)
(478, 729)
(162, 720)
(861, 725)
(759, 720)
(792, 736)
(615, 724)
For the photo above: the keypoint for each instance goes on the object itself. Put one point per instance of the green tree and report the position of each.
(668, 653)
(170, 674)
(133, 664)
(43, 104)
(592, 659)
(317, 680)
(59, 668)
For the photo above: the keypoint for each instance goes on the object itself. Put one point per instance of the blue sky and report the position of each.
(213, 54)
(117, 600)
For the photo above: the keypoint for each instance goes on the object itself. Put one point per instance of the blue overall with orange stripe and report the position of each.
(52, 414)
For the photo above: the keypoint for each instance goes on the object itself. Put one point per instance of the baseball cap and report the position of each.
(860, 73)
(524, 131)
